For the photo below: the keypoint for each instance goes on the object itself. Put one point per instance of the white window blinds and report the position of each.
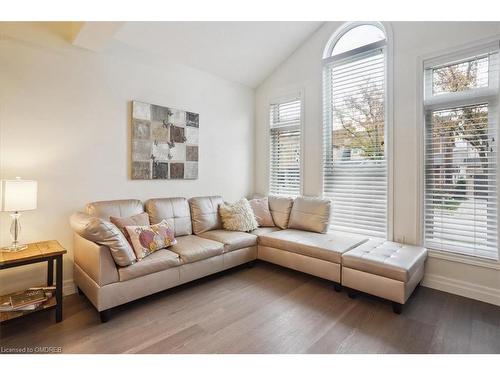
(285, 154)
(461, 122)
(355, 166)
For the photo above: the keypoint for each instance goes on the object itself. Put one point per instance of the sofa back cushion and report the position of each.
(116, 208)
(104, 233)
(173, 210)
(310, 214)
(280, 210)
(205, 213)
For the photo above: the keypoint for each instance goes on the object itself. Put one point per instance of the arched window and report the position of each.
(355, 166)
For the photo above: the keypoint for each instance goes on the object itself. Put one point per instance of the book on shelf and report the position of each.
(6, 307)
(27, 300)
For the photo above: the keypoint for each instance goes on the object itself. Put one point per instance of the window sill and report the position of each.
(485, 263)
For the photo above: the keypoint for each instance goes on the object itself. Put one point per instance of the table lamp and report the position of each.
(16, 196)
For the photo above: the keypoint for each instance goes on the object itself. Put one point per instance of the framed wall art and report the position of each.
(164, 143)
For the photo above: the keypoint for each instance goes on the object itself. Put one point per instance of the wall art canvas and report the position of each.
(164, 143)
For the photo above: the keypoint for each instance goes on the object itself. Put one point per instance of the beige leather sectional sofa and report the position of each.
(385, 269)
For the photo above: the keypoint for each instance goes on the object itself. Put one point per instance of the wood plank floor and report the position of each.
(265, 309)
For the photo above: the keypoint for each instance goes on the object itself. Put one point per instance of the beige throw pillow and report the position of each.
(260, 207)
(104, 233)
(238, 216)
(280, 210)
(122, 222)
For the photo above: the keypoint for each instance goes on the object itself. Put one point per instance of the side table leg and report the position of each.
(50, 272)
(59, 299)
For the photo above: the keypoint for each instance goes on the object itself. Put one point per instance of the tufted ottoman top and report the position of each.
(384, 258)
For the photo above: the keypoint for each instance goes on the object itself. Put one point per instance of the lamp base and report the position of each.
(14, 248)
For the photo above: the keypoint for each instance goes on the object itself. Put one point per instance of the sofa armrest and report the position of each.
(95, 260)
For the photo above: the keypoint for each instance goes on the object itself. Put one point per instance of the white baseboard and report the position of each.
(463, 288)
(69, 287)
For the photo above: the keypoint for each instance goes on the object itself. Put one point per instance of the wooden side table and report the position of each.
(46, 251)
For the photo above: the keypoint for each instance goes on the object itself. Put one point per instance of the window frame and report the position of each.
(290, 95)
(483, 95)
(327, 58)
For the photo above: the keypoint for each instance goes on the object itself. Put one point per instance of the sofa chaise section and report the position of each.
(318, 254)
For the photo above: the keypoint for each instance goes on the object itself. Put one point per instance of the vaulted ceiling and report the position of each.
(243, 52)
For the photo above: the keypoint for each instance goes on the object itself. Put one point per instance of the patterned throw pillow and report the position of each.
(238, 216)
(146, 239)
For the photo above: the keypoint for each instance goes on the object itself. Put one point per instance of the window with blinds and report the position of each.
(285, 119)
(461, 160)
(355, 165)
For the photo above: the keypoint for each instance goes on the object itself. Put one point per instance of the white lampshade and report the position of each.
(18, 195)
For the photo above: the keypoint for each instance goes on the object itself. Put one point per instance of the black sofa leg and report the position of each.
(397, 308)
(80, 293)
(337, 287)
(105, 315)
(251, 264)
(352, 293)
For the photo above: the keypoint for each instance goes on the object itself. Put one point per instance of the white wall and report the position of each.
(64, 121)
(411, 41)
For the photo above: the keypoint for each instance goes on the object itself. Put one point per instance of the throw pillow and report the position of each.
(122, 222)
(238, 216)
(280, 210)
(104, 233)
(260, 207)
(146, 239)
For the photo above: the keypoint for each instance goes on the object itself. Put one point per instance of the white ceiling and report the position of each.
(243, 52)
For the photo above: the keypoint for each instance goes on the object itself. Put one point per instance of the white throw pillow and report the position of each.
(238, 216)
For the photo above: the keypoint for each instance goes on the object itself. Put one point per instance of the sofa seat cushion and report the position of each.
(193, 248)
(264, 230)
(232, 240)
(328, 246)
(384, 258)
(158, 261)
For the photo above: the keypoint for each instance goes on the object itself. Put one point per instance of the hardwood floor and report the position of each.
(265, 309)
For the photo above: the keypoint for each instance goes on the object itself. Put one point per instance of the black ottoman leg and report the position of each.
(352, 293)
(397, 308)
(105, 315)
